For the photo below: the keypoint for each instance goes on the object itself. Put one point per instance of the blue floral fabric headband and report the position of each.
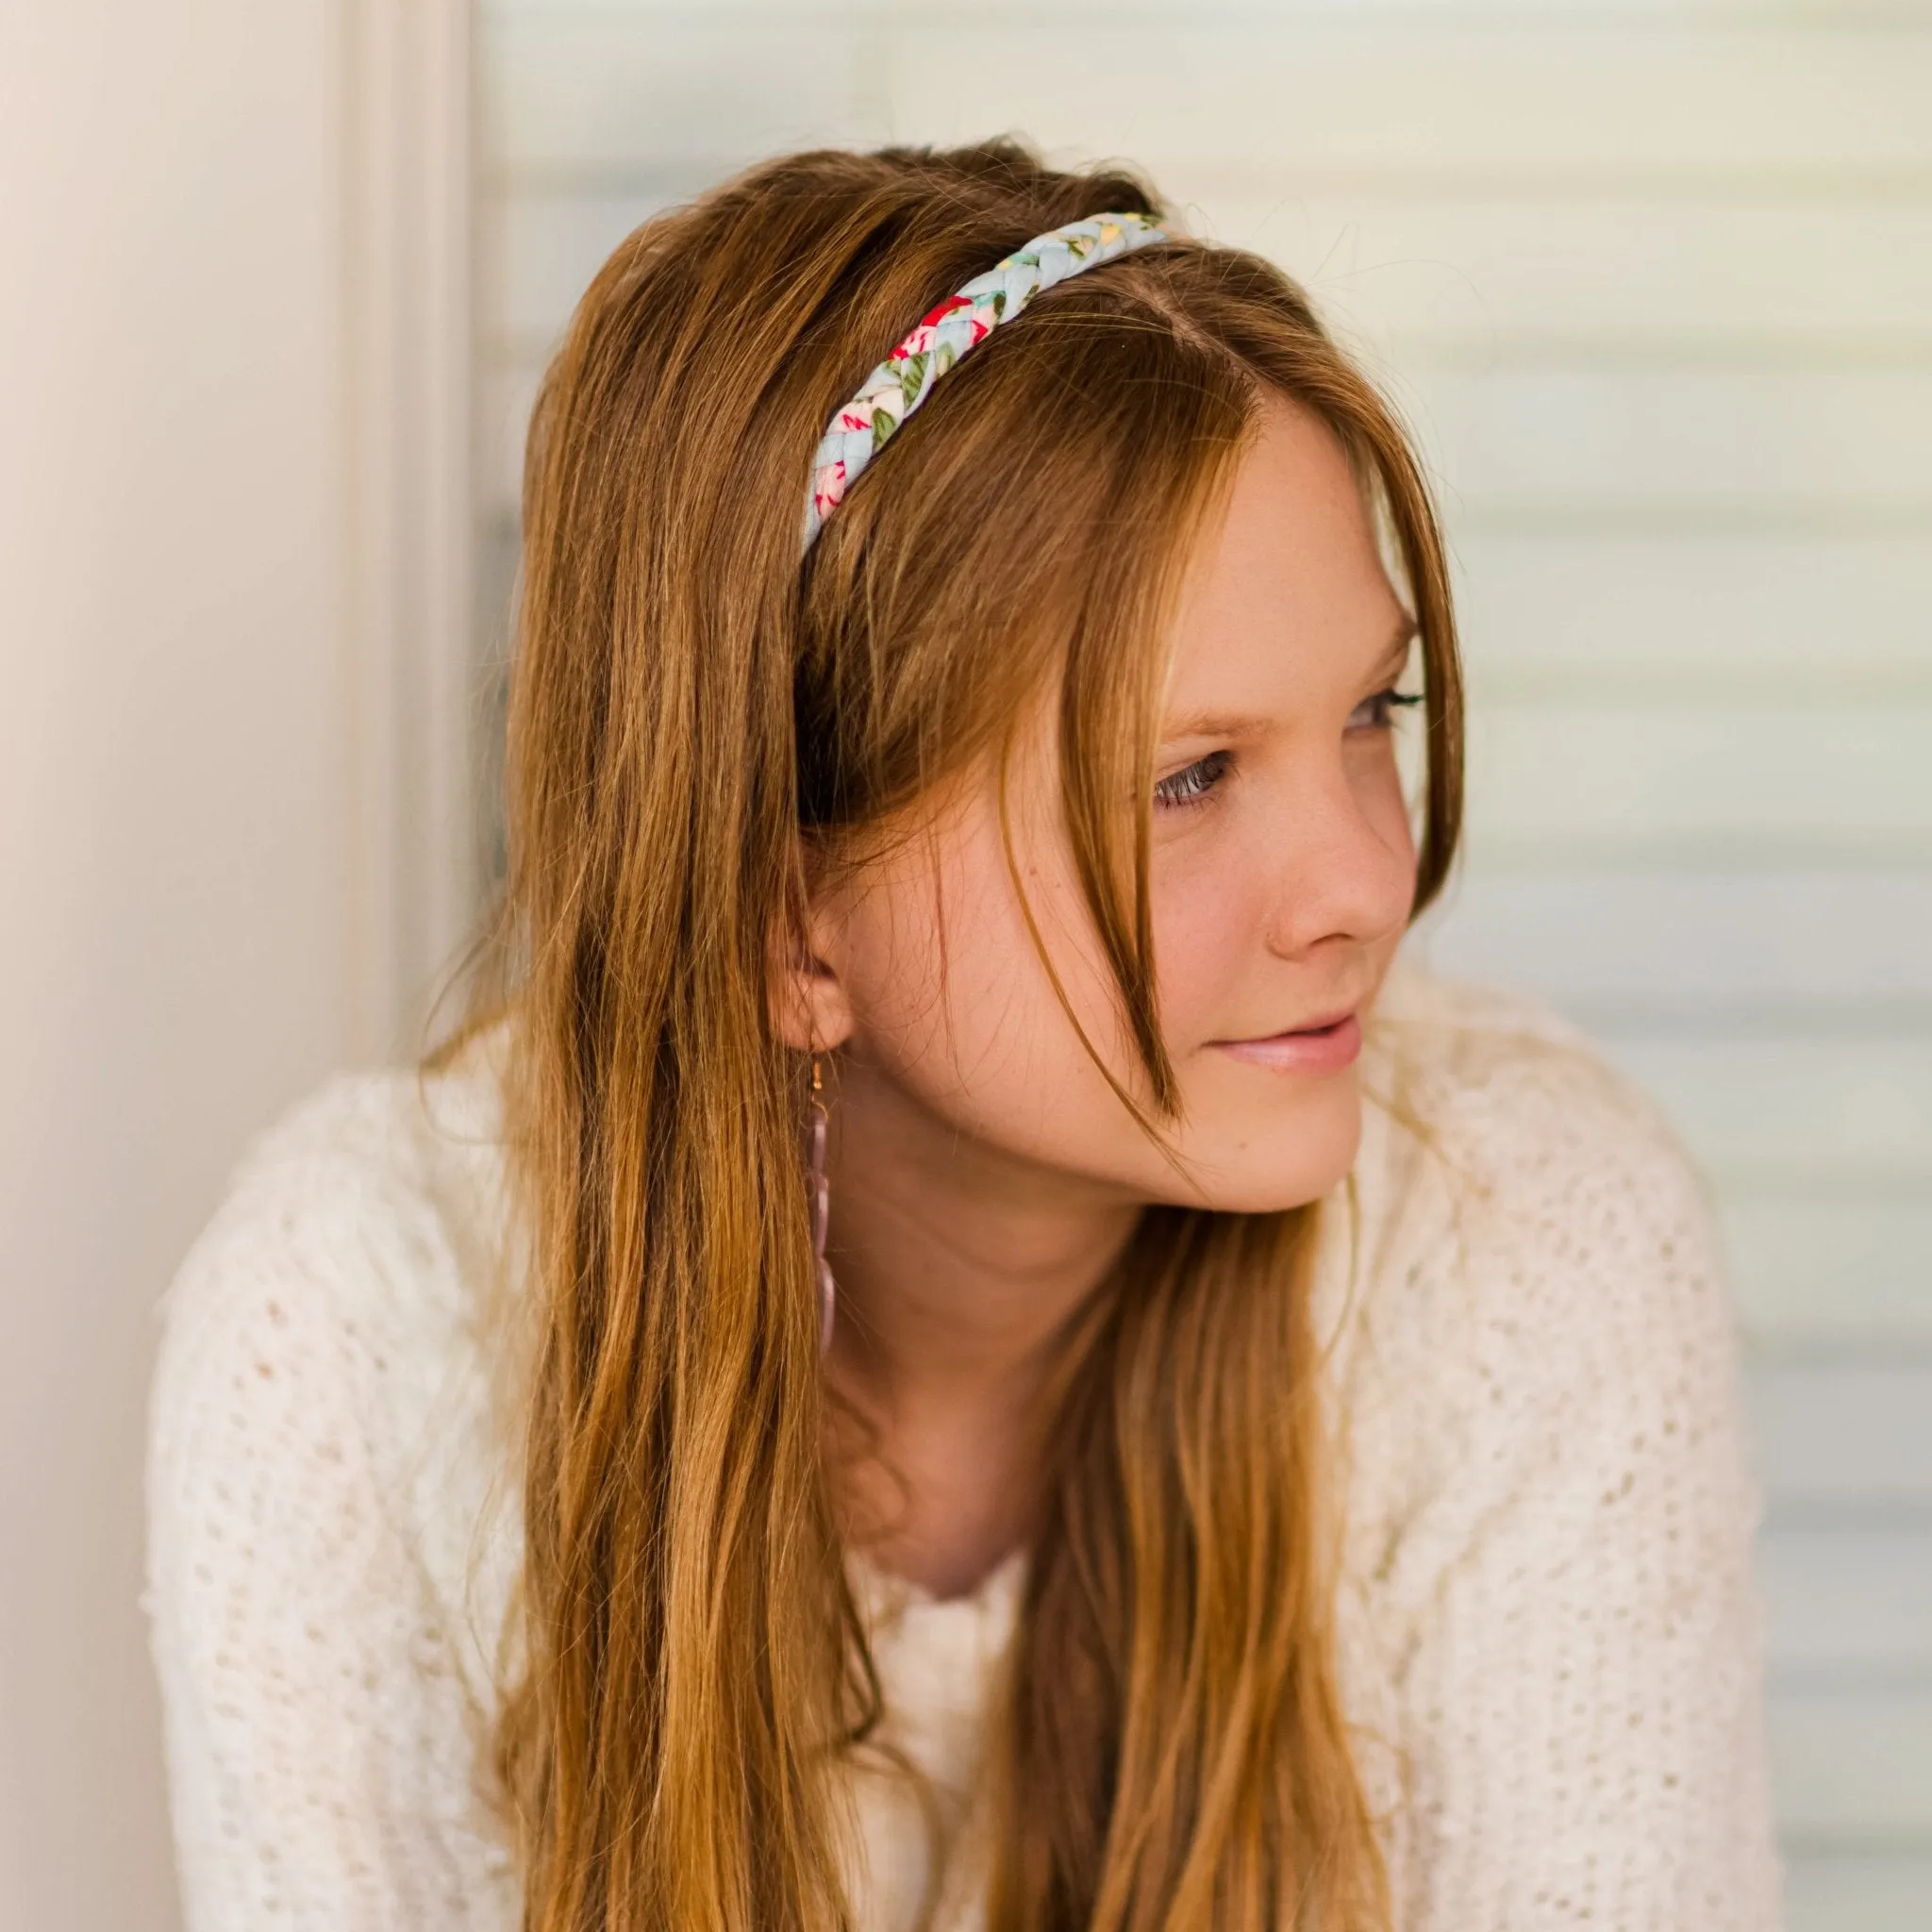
(904, 380)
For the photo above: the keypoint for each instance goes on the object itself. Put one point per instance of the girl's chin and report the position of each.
(1274, 1165)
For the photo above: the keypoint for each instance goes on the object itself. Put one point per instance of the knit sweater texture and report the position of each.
(1550, 1644)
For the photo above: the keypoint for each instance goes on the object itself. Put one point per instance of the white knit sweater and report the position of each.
(1550, 1638)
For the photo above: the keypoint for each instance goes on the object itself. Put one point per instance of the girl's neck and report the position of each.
(958, 1268)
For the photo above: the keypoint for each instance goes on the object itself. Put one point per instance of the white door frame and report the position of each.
(414, 849)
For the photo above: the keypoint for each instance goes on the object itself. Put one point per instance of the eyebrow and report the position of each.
(1249, 724)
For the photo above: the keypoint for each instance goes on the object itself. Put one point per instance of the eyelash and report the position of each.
(1384, 701)
(1193, 783)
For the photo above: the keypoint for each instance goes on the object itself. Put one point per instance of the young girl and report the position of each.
(955, 1343)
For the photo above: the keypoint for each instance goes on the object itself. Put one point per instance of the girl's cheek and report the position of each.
(1385, 805)
(1207, 922)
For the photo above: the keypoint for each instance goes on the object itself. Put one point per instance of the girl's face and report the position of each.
(1283, 869)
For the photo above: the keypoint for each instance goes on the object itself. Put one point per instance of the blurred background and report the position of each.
(1652, 283)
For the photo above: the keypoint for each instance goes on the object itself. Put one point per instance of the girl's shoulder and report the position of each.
(374, 1205)
(1548, 1605)
(332, 1539)
(1533, 1248)
(1527, 1223)
(328, 1364)
(1505, 1097)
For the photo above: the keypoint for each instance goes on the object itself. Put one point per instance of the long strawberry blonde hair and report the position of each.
(692, 710)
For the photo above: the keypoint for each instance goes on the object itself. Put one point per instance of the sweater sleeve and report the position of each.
(1585, 1740)
(322, 1743)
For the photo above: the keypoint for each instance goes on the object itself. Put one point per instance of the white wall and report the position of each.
(173, 950)
(1654, 280)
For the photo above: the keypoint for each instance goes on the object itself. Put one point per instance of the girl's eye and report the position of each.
(1376, 713)
(1193, 783)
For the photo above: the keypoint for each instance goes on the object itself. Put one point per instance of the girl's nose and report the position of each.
(1346, 869)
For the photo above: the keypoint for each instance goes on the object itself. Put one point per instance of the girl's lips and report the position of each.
(1314, 1050)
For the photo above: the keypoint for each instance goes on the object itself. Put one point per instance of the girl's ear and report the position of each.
(810, 1012)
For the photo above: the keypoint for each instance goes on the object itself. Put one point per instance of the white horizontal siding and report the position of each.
(1210, 99)
(1595, 777)
(1861, 1892)
(1652, 281)
(1530, 440)
(1797, 1108)
(998, 15)
(1847, 1435)
(1843, 1270)
(1665, 274)
(576, 97)
(1854, 1766)
(1732, 614)
(1610, 942)
(1466, 98)
(1848, 1603)
(537, 248)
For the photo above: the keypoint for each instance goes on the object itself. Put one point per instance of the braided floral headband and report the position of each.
(904, 380)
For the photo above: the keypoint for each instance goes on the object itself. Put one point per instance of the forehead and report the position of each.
(1286, 591)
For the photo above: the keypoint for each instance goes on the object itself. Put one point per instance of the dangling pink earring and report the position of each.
(821, 1210)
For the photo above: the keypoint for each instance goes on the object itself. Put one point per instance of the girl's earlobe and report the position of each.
(810, 1012)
